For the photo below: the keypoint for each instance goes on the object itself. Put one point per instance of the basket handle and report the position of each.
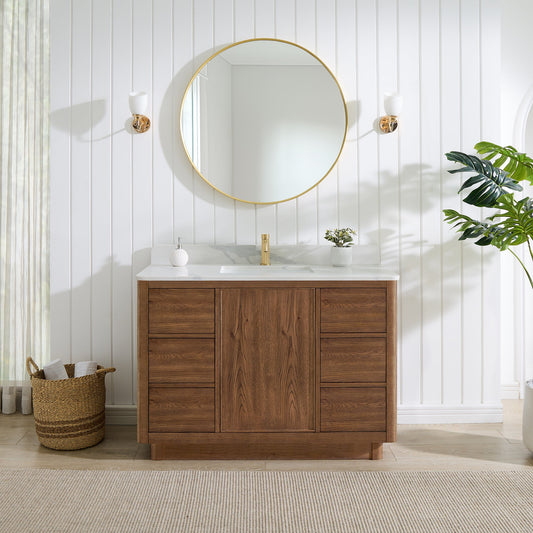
(30, 361)
(105, 370)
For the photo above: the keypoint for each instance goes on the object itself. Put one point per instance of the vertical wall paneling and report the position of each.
(183, 69)
(307, 205)
(490, 46)
(121, 194)
(387, 61)
(410, 203)
(450, 128)
(388, 145)
(115, 193)
(101, 205)
(367, 144)
(81, 147)
(472, 255)
(224, 206)
(60, 187)
(162, 132)
(430, 216)
(347, 77)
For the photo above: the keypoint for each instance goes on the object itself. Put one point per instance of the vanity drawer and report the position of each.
(353, 409)
(361, 310)
(181, 361)
(181, 311)
(353, 360)
(181, 409)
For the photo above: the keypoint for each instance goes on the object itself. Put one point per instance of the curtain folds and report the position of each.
(24, 186)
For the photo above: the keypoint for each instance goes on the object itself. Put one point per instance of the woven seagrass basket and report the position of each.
(69, 413)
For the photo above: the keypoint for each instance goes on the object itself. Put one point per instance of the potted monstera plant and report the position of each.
(493, 183)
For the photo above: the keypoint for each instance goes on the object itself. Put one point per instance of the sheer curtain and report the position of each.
(24, 187)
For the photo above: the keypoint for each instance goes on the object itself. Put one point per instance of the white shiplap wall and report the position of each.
(115, 195)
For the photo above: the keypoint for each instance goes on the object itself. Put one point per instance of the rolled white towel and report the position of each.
(84, 368)
(55, 370)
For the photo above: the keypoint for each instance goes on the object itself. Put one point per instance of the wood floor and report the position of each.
(419, 447)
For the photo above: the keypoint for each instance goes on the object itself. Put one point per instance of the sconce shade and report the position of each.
(138, 103)
(393, 104)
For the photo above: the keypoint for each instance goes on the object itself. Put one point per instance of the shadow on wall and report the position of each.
(94, 321)
(169, 124)
(408, 249)
(79, 120)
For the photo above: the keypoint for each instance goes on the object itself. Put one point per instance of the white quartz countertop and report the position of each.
(233, 272)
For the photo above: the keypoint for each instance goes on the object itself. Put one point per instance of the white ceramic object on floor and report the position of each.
(25, 404)
(341, 255)
(9, 397)
(527, 418)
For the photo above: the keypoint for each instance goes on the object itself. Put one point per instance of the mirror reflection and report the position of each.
(263, 121)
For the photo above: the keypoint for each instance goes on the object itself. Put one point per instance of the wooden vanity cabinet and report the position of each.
(265, 369)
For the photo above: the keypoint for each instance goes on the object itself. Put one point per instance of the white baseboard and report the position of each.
(510, 391)
(126, 415)
(121, 415)
(450, 414)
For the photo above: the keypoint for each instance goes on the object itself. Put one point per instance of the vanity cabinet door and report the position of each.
(353, 409)
(353, 360)
(361, 310)
(267, 359)
(181, 361)
(174, 311)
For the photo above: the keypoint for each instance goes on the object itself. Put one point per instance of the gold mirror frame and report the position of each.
(279, 41)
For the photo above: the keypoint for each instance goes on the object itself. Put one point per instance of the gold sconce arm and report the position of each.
(388, 123)
(140, 123)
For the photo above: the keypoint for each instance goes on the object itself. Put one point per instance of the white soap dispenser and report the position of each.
(178, 256)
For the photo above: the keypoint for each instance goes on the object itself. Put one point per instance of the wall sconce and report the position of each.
(138, 103)
(393, 106)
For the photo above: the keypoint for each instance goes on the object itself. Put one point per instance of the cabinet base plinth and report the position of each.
(267, 446)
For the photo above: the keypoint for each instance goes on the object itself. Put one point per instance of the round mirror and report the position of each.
(263, 121)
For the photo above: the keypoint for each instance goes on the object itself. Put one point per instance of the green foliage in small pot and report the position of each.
(341, 238)
(493, 187)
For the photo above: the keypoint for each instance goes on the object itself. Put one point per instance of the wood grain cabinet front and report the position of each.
(266, 369)
(353, 409)
(181, 361)
(360, 310)
(181, 311)
(353, 360)
(176, 409)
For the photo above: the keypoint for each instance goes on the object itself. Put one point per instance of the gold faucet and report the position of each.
(265, 249)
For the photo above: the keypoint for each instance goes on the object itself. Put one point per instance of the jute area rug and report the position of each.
(183, 501)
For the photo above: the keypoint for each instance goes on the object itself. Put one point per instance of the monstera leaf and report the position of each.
(471, 228)
(514, 220)
(518, 165)
(490, 180)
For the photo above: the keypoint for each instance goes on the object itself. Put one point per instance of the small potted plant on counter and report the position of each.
(341, 253)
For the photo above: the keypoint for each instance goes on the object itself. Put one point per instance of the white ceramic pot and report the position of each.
(527, 418)
(341, 256)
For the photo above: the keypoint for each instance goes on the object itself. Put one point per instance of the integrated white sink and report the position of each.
(253, 270)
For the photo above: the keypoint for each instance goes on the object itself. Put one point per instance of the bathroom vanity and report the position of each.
(266, 362)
